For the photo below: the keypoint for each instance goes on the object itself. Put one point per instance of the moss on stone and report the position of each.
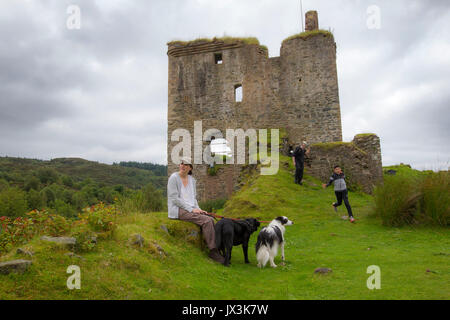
(307, 34)
(331, 145)
(363, 135)
(226, 39)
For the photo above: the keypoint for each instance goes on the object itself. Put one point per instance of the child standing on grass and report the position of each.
(340, 189)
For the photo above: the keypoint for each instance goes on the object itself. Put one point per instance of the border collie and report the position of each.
(269, 239)
(231, 233)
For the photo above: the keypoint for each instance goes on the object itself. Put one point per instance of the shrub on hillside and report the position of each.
(435, 202)
(22, 229)
(212, 205)
(13, 202)
(149, 199)
(47, 175)
(35, 200)
(403, 200)
(100, 218)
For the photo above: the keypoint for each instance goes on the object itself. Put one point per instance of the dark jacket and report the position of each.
(299, 155)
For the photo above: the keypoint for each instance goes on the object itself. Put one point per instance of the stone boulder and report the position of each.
(17, 266)
(64, 241)
(185, 231)
(137, 240)
(323, 271)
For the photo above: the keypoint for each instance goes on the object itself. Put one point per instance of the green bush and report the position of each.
(13, 202)
(64, 209)
(435, 201)
(31, 183)
(47, 175)
(212, 205)
(153, 199)
(35, 200)
(404, 200)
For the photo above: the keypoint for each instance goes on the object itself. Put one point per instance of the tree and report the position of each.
(67, 181)
(152, 198)
(31, 183)
(13, 202)
(47, 175)
(34, 199)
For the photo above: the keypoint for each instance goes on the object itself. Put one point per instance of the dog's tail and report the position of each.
(262, 250)
(262, 255)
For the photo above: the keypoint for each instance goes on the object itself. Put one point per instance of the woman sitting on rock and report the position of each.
(182, 204)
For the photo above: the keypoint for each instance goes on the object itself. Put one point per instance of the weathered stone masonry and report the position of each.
(297, 91)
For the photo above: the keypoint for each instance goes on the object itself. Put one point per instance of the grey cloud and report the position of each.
(101, 92)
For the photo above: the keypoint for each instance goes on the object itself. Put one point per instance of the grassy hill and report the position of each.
(413, 260)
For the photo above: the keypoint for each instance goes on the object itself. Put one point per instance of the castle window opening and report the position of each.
(218, 58)
(238, 93)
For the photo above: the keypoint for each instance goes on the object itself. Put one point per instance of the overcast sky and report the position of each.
(100, 92)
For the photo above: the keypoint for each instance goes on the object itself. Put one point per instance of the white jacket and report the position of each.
(174, 200)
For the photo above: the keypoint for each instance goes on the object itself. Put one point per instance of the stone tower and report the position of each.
(297, 92)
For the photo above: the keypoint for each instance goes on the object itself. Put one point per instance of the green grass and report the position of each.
(318, 238)
(224, 39)
(307, 34)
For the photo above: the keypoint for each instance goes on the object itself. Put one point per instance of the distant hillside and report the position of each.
(15, 170)
(157, 169)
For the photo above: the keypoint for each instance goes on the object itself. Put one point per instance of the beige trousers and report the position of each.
(204, 221)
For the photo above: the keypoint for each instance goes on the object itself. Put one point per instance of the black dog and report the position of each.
(231, 233)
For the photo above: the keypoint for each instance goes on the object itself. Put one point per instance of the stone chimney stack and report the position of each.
(311, 21)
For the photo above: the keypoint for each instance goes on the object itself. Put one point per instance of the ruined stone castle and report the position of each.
(232, 83)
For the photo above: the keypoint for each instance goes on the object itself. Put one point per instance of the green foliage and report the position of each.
(149, 199)
(64, 209)
(212, 205)
(47, 175)
(414, 198)
(3, 184)
(13, 202)
(31, 183)
(35, 200)
(157, 169)
(435, 202)
(396, 201)
(22, 229)
(67, 181)
(100, 218)
(153, 199)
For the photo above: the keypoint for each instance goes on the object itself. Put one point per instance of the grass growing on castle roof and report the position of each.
(307, 34)
(362, 135)
(224, 39)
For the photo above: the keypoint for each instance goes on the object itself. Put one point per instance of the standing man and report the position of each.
(298, 158)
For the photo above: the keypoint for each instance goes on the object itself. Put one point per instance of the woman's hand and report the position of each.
(196, 210)
(324, 185)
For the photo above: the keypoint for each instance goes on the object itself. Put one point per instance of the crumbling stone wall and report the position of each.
(360, 160)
